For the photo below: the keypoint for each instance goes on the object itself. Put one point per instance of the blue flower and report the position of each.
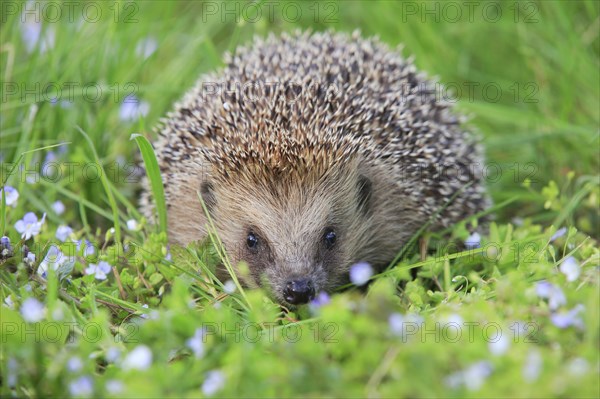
(33, 310)
(570, 268)
(49, 162)
(360, 273)
(113, 354)
(63, 232)
(114, 387)
(31, 33)
(396, 322)
(472, 377)
(83, 386)
(473, 241)
(132, 225)
(89, 248)
(500, 345)
(11, 195)
(140, 358)
(559, 233)
(152, 315)
(74, 364)
(132, 109)
(29, 226)
(569, 318)
(556, 298)
(53, 260)
(533, 366)
(214, 382)
(58, 207)
(6, 250)
(196, 343)
(30, 259)
(12, 372)
(320, 300)
(99, 270)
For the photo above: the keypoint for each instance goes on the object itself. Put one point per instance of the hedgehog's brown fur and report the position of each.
(351, 137)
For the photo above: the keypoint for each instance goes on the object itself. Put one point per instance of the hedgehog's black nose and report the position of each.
(299, 291)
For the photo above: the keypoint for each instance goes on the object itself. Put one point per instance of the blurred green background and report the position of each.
(525, 72)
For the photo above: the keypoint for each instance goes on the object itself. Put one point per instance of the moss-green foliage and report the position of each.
(459, 323)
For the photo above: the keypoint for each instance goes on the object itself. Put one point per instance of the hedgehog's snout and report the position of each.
(299, 291)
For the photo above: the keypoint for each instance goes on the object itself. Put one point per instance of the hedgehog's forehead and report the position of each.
(266, 156)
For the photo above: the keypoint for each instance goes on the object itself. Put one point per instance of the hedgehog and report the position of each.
(312, 152)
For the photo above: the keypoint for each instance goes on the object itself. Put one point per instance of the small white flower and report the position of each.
(29, 226)
(500, 345)
(33, 310)
(475, 375)
(570, 268)
(152, 315)
(578, 366)
(58, 314)
(132, 225)
(58, 207)
(83, 386)
(11, 195)
(473, 241)
(63, 232)
(74, 364)
(140, 358)
(30, 259)
(99, 270)
(9, 302)
(360, 273)
(533, 366)
(214, 382)
(229, 287)
(196, 343)
(146, 47)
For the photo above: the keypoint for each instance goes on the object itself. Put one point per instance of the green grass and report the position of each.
(540, 134)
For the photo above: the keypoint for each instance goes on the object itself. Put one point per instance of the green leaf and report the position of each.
(153, 173)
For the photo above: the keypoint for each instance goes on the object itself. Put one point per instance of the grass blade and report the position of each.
(153, 173)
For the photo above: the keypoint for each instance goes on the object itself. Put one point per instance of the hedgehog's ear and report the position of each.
(208, 195)
(365, 188)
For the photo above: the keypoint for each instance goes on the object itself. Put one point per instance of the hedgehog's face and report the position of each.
(297, 237)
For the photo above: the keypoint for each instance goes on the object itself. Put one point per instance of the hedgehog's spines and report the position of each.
(355, 98)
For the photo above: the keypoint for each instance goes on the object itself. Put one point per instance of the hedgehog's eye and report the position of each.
(329, 237)
(252, 241)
